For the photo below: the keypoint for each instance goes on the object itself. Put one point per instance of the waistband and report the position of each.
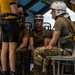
(8, 14)
(4, 21)
(9, 19)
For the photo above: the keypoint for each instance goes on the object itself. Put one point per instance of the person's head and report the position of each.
(38, 20)
(58, 8)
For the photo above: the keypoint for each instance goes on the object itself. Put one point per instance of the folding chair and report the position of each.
(62, 58)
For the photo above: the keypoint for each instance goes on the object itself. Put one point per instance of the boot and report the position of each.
(13, 73)
(5, 73)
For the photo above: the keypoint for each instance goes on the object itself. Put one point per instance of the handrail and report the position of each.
(48, 25)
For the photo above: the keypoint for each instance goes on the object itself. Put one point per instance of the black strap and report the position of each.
(69, 26)
(8, 14)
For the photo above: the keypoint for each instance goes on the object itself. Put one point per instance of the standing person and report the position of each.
(39, 36)
(57, 44)
(9, 12)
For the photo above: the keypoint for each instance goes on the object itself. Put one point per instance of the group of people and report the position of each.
(60, 43)
(17, 40)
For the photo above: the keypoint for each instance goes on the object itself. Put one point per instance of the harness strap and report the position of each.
(8, 14)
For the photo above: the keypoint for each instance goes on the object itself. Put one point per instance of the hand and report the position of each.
(55, 49)
(48, 47)
(18, 49)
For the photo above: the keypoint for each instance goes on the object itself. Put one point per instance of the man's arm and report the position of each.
(54, 38)
(54, 41)
(46, 41)
(23, 44)
(13, 5)
(24, 39)
(48, 38)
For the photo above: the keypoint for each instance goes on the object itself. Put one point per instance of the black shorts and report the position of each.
(10, 30)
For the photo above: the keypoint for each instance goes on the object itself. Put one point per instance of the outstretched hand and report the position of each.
(53, 49)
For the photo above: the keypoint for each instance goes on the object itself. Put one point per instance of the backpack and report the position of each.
(68, 41)
(71, 24)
